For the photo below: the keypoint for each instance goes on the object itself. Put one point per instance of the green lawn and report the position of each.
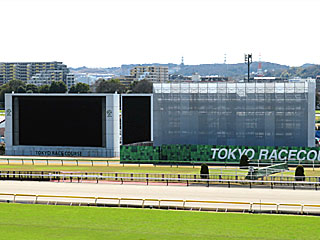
(64, 222)
(145, 169)
(309, 172)
(120, 168)
(128, 169)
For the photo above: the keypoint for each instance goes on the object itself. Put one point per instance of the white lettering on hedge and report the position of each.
(276, 154)
(242, 152)
(252, 153)
(280, 154)
(214, 152)
(231, 153)
(263, 154)
(224, 156)
(299, 155)
(292, 154)
(314, 156)
(273, 154)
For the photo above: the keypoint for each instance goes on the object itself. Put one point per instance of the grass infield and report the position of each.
(145, 169)
(126, 168)
(120, 168)
(62, 222)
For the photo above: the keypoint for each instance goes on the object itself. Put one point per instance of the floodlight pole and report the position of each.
(248, 60)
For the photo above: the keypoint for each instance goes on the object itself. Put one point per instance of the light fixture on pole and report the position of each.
(248, 61)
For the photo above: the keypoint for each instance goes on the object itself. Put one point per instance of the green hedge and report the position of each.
(134, 153)
(200, 153)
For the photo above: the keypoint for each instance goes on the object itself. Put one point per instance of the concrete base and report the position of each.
(61, 151)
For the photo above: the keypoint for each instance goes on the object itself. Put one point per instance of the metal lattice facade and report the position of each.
(247, 114)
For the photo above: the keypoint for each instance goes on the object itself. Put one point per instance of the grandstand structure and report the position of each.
(195, 122)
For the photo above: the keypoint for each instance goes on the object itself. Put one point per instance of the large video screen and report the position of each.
(59, 121)
(136, 117)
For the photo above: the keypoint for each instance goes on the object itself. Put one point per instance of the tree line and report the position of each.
(100, 86)
(303, 72)
(19, 86)
(114, 85)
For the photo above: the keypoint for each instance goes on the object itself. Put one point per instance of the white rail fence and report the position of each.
(199, 205)
(80, 178)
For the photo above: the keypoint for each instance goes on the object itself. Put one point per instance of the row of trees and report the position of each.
(303, 72)
(55, 87)
(101, 86)
(114, 85)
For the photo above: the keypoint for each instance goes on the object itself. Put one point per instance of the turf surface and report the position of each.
(64, 222)
(120, 168)
(307, 171)
(144, 169)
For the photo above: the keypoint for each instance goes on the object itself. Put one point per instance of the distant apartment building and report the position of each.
(126, 80)
(213, 78)
(46, 77)
(70, 80)
(197, 78)
(91, 78)
(269, 79)
(25, 71)
(150, 73)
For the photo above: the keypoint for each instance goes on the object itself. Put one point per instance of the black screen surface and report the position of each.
(60, 120)
(136, 117)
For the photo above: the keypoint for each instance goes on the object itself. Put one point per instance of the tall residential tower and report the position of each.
(25, 71)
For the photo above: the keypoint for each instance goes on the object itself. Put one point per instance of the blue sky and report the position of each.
(106, 33)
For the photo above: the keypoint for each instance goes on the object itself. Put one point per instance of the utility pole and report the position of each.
(248, 61)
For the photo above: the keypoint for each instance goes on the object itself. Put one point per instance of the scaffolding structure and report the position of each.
(246, 114)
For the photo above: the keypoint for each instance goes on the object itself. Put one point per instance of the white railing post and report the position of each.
(313, 165)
